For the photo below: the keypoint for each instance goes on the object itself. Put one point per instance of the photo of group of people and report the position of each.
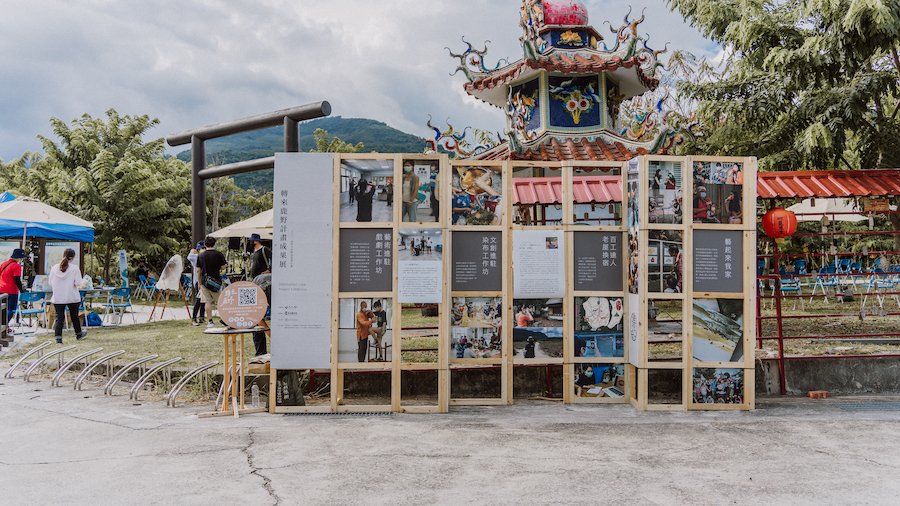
(364, 330)
(475, 326)
(599, 327)
(665, 198)
(718, 386)
(665, 263)
(717, 193)
(538, 331)
(476, 198)
(600, 380)
(475, 343)
(367, 190)
(421, 244)
(718, 330)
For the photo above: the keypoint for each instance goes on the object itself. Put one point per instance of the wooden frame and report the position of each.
(636, 376)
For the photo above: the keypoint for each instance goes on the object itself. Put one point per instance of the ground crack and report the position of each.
(267, 483)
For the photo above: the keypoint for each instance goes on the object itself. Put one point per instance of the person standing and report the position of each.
(364, 195)
(11, 282)
(410, 193)
(211, 263)
(198, 316)
(379, 329)
(261, 263)
(64, 280)
(352, 190)
(435, 192)
(364, 321)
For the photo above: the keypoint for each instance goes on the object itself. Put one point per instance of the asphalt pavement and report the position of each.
(61, 446)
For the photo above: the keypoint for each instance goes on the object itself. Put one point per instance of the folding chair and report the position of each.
(119, 300)
(30, 304)
(879, 280)
(761, 283)
(791, 286)
(826, 278)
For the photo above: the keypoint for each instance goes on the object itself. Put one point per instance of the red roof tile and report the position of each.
(556, 151)
(563, 63)
(548, 190)
(828, 183)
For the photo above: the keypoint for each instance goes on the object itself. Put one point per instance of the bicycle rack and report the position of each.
(123, 371)
(87, 370)
(30, 353)
(136, 388)
(170, 399)
(62, 370)
(41, 360)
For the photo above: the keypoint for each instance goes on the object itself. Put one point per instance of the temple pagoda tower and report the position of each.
(562, 98)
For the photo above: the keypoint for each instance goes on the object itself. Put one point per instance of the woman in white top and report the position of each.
(64, 281)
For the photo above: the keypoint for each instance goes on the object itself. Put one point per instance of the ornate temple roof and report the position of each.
(554, 149)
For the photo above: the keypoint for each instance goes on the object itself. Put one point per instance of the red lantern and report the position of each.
(779, 222)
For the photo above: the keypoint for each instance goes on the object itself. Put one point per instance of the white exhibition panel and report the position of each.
(302, 261)
(539, 264)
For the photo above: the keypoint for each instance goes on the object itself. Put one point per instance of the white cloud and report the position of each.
(204, 61)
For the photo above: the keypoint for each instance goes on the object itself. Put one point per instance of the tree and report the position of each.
(105, 173)
(323, 145)
(809, 84)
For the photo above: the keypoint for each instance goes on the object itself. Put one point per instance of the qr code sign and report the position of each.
(247, 296)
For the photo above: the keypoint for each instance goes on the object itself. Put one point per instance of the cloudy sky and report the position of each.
(192, 63)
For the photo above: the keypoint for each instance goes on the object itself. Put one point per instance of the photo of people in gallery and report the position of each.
(476, 312)
(364, 330)
(467, 343)
(599, 329)
(367, 191)
(476, 198)
(420, 191)
(538, 328)
(664, 256)
(600, 380)
(665, 199)
(717, 193)
(718, 386)
(421, 244)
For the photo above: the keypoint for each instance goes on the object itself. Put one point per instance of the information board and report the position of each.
(366, 259)
(539, 264)
(718, 261)
(301, 273)
(598, 261)
(476, 262)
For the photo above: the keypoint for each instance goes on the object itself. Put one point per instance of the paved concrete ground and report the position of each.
(59, 446)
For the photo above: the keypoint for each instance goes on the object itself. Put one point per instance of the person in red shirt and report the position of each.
(11, 281)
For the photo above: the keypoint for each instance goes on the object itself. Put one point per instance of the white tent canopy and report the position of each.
(259, 224)
(815, 209)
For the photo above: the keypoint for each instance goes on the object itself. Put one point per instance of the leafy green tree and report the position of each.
(809, 84)
(323, 145)
(104, 172)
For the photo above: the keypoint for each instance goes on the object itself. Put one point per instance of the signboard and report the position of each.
(598, 261)
(421, 266)
(539, 264)
(53, 254)
(634, 330)
(718, 261)
(366, 260)
(477, 261)
(123, 267)
(301, 272)
(242, 305)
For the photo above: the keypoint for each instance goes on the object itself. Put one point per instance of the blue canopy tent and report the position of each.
(26, 217)
(6, 197)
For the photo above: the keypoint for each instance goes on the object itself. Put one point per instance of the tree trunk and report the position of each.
(106, 265)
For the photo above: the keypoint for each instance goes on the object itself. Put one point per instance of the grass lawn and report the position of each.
(168, 339)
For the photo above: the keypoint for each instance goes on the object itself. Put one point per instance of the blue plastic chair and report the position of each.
(826, 278)
(119, 300)
(30, 305)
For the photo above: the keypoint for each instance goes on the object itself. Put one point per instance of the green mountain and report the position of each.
(375, 136)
